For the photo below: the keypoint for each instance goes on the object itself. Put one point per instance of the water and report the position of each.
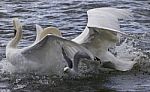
(70, 17)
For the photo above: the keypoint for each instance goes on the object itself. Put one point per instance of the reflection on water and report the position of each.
(70, 17)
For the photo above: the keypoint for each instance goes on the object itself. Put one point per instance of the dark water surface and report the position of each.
(70, 17)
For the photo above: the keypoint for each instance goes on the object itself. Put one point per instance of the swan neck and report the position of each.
(83, 37)
(13, 43)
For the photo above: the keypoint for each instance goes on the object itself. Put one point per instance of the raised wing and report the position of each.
(48, 52)
(102, 31)
(97, 40)
(102, 19)
(41, 33)
(107, 18)
(39, 30)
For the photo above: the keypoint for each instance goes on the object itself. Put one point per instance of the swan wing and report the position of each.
(97, 40)
(39, 30)
(48, 52)
(41, 33)
(102, 32)
(102, 29)
(51, 42)
(107, 18)
(103, 18)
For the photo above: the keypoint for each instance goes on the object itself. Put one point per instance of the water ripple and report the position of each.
(70, 17)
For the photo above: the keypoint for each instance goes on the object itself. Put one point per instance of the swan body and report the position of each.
(45, 55)
(72, 68)
(102, 32)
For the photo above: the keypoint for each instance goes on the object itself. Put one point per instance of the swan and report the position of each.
(45, 55)
(72, 68)
(101, 33)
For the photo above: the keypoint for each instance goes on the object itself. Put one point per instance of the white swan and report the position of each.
(102, 32)
(45, 55)
(72, 68)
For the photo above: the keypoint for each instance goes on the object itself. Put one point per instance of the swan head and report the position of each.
(17, 25)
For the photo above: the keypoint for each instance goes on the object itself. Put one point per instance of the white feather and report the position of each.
(45, 55)
(102, 32)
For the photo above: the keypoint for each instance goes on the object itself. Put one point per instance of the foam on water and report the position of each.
(6, 66)
(132, 51)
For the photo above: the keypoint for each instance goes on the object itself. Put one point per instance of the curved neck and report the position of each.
(83, 37)
(13, 43)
